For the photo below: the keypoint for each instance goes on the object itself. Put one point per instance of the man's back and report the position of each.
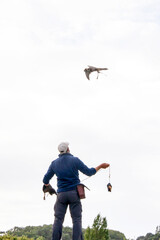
(66, 169)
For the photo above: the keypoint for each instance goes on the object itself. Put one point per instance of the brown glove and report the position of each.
(48, 189)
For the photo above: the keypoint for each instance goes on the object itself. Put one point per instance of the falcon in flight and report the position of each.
(91, 69)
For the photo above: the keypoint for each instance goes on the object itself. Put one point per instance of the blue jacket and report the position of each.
(66, 168)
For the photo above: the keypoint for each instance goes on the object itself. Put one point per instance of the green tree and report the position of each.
(116, 235)
(98, 231)
(157, 229)
(38, 232)
(9, 237)
(67, 233)
(40, 238)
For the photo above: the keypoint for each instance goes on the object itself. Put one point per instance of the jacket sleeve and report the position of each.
(50, 173)
(84, 169)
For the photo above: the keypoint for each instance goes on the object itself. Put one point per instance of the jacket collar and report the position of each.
(64, 154)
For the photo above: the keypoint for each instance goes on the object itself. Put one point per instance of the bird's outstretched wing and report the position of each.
(87, 72)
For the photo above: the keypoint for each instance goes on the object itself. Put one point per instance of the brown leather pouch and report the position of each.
(81, 190)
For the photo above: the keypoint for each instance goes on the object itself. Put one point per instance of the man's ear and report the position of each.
(68, 149)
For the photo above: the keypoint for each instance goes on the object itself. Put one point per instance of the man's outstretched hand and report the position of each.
(103, 165)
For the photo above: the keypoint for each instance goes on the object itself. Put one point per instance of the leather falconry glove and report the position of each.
(48, 189)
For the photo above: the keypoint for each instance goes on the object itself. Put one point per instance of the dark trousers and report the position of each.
(64, 199)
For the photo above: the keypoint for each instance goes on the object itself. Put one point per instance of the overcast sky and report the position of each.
(45, 98)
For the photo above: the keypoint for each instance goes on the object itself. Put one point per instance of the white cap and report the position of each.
(62, 147)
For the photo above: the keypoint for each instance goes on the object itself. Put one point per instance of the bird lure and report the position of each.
(109, 186)
(91, 69)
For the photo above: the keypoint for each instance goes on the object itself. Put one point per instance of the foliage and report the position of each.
(10, 237)
(98, 231)
(45, 232)
(140, 238)
(67, 233)
(158, 229)
(116, 235)
(37, 233)
(150, 236)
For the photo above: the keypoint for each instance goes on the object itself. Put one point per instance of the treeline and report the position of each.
(35, 233)
(45, 233)
(150, 236)
(97, 231)
(32, 232)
